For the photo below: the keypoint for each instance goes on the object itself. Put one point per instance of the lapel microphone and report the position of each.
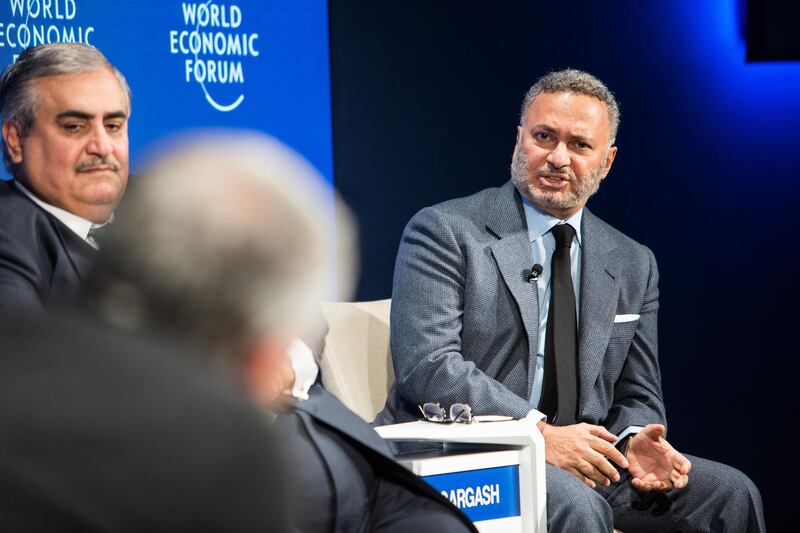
(533, 275)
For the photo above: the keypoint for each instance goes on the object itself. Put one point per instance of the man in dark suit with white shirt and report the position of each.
(65, 115)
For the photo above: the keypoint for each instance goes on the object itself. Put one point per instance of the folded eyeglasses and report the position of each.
(459, 412)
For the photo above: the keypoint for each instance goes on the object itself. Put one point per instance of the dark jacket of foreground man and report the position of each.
(102, 431)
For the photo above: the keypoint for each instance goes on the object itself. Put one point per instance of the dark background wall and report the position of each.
(425, 103)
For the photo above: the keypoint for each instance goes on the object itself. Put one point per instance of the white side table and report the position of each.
(519, 443)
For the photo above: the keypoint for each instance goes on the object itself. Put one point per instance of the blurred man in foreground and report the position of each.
(65, 112)
(225, 244)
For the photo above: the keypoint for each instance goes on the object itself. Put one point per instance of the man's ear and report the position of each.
(13, 141)
(267, 369)
(610, 155)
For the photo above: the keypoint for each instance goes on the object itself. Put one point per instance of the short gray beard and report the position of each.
(524, 181)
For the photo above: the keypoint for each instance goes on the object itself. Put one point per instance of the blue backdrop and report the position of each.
(259, 64)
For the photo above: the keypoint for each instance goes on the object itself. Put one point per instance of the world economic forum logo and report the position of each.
(36, 22)
(215, 45)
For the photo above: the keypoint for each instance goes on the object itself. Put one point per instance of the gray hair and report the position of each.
(17, 83)
(579, 82)
(225, 238)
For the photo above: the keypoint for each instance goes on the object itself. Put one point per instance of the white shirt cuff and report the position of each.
(305, 369)
(628, 431)
(536, 416)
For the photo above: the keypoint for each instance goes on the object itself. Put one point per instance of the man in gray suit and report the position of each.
(481, 314)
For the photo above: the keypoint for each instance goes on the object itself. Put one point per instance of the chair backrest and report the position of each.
(356, 363)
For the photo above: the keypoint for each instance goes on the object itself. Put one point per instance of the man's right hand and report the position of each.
(583, 450)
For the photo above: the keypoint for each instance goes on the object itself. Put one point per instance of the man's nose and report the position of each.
(559, 156)
(100, 142)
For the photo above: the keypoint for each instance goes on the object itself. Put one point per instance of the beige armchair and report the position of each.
(356, 363)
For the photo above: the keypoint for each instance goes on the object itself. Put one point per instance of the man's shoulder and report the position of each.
(474, 204)
(11, 196)
(129, 371)
(17, 211)
(24, 222)
(466, 210)
(325, 408)
(26, 230)
(624, 244)
(153, 400)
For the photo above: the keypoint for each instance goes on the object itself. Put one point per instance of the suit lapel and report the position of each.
(514, 258)
(80, 253)
(599, 295)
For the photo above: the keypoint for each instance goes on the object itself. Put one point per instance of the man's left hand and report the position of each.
(654, 463)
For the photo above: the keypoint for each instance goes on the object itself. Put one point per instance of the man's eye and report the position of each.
(581, 145)
(113, 126)
(541, 136)
(72, 128)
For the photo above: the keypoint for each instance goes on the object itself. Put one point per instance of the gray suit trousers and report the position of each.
(718, 498)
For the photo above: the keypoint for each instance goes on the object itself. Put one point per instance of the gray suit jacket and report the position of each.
(464, 320)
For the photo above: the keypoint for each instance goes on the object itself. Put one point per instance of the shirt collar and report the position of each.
(540, 222)
(78, 225)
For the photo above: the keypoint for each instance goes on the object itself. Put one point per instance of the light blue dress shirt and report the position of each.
(543, 244)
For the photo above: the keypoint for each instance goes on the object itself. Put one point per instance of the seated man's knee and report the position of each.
(739, 487)
(724, 482)
(733, 493)
(573, 506)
